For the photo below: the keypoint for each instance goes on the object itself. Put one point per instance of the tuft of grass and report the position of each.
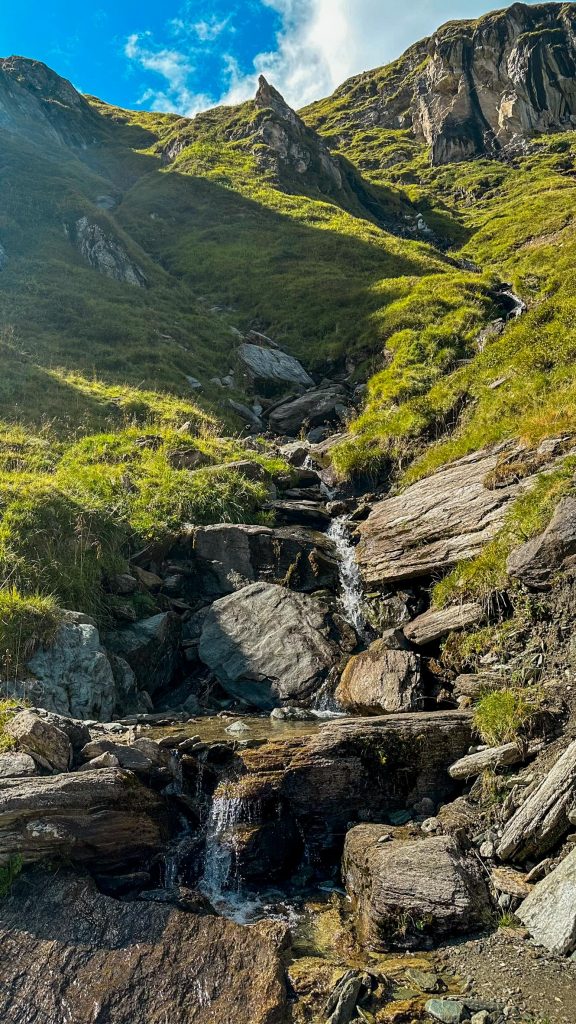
(26, 623)
(8, 708)
(502, 715)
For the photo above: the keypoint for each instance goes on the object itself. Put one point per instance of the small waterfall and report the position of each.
(350, 579)
(228, 810)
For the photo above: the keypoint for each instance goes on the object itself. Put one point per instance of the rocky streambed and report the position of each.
(265, 802)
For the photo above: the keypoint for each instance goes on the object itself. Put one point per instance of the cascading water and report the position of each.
(221, 882)
(350, 579)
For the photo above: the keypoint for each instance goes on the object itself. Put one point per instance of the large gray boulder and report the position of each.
(227, 557)
(381, 681)
(63, 944)
(269, 646)
(535, 562)
(407, 890)
(314, 408)
(270, 364)
(151, 648)
(549, 912)
(74, 675)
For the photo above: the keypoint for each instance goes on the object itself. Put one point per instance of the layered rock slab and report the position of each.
(435, 523)
(101, 816)
(69, 952)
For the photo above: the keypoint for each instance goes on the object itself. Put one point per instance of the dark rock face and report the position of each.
(314, 408)
(535, 562)
(32, 92)
(405, 890)
(151, 649)
(228, 557)
(65, 947)
(493, 84)
(268, 645)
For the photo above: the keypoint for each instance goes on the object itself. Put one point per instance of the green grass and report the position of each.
(8, 874)
(8, 709)
(26, 622)
(503, 715)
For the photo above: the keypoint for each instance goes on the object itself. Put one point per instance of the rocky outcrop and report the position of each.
(42, 740)
(269, 646)
(63, 944)
(404, 891)
(549, 911)
(31, 93)
(314, 408)
(354, 770)
(228, 557)
(536, 561)
(542, 820)
(438, 622)
(271, 364)
(288, 147)
(383, 680)
(492, 84)
(103, 817)
(151, 649)
(434, 523)
(105, 254)
(74, 675)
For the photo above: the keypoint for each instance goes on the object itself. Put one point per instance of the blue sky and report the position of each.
(186, 55)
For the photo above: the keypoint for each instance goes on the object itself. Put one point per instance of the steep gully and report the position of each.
(230, 810)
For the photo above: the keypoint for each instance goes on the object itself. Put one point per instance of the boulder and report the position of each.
(300, 512)
(437, 622)
(74, 675)
(42, 740)
(103, 816)
(542, 820)
(381, 681)
(227, 557)
(16, 765)
(151, 648)
(536, 561)
(270, 646)
(270, 364)
(435, 523)
(549, 912)
(127, 756)
(63, 944)
(314, 408)
(405, 891)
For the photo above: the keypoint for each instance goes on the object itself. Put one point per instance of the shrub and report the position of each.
(501, 716)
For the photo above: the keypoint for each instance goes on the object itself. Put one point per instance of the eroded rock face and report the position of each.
(492, 84)
(106, 254)
(405, 890)
(269, 646)
(74, 675)
(103, 816)
(381, 681)
(65, 945)
(434, 523)
(228, 557)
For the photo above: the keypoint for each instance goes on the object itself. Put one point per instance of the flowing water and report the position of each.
(350, 579)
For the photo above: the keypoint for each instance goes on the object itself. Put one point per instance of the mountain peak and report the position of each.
(267, 97)
(38, 78)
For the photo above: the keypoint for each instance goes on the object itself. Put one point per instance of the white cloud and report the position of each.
(174, 67)
(320, 44)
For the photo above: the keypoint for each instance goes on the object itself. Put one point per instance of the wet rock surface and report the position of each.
(80, 952)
